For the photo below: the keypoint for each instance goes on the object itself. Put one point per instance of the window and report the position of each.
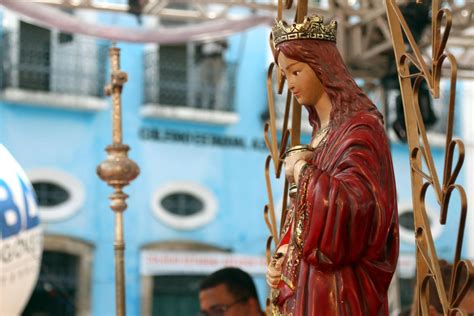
(173, 74)
(190, 75)
(40, 60)
(34, 67)
(47, 67)
(59, 194)
(184, 205)
(191, 82)
(50, 194)
(64, 282)
(407, 221)
(407, 286)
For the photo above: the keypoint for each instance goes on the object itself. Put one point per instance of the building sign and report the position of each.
(158, 262)
(197, 138)
(20, 236)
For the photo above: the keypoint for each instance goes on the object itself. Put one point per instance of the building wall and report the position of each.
(73, 142)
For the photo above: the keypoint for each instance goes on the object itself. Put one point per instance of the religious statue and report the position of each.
(339, 244)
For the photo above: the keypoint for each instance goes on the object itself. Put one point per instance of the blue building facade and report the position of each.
(211, 159)
(201, 189)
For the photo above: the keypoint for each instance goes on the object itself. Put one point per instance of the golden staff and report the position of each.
(428, 268)
(118, 171)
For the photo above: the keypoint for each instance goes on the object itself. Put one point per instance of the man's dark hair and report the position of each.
(238, 282)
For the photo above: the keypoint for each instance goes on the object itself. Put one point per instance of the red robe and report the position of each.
(343, 233)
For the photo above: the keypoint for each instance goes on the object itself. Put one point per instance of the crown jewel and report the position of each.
(311, 28)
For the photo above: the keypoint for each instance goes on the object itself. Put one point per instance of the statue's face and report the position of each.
(302, 81)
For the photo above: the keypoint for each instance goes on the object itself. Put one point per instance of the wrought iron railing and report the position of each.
(75, 67)
(207, 84)
(413, 69)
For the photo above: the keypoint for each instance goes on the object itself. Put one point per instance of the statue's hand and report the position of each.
(292, 161)
(275, 266)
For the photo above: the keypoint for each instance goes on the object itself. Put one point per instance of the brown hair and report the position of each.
(323, 57)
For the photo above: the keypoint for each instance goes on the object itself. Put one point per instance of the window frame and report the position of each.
(190, 222)
(17, 95)
(73, 186)
(182, 112)
(84, 250)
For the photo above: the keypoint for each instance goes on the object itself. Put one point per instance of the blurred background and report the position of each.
(193, 115)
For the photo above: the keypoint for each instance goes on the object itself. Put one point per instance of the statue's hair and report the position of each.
(323, 57)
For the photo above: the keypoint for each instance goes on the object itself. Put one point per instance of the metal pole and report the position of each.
(118, 171)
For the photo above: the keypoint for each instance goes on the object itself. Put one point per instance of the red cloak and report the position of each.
(343, 233)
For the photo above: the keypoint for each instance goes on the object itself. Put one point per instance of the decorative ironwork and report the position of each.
(277, 145)
(118, 171)
(412, 71)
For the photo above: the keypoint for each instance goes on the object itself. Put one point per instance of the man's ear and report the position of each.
(253, 303)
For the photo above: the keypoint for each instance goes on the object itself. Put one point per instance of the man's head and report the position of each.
(229, 292)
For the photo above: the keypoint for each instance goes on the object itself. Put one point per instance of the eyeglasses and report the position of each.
(219, 310)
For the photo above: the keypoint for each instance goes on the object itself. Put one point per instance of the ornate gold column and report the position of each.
(118, 171)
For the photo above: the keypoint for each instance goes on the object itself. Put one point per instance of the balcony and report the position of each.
(42, 68)
(179, 87)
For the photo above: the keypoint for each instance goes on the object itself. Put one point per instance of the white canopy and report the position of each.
(50, 17)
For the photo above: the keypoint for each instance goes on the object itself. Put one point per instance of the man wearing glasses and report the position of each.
(229, 292)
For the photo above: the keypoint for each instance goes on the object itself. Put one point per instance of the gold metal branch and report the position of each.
(428, 268)
(277, 146)
(118, 171)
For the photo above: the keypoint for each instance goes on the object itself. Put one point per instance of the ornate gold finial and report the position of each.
(312, 27)
(118, 171)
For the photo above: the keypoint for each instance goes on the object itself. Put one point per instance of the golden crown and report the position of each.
(311, 28)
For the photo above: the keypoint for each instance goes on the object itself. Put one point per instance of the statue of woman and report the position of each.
(339, 245)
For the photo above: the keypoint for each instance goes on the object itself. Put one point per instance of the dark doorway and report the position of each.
(56, 289)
